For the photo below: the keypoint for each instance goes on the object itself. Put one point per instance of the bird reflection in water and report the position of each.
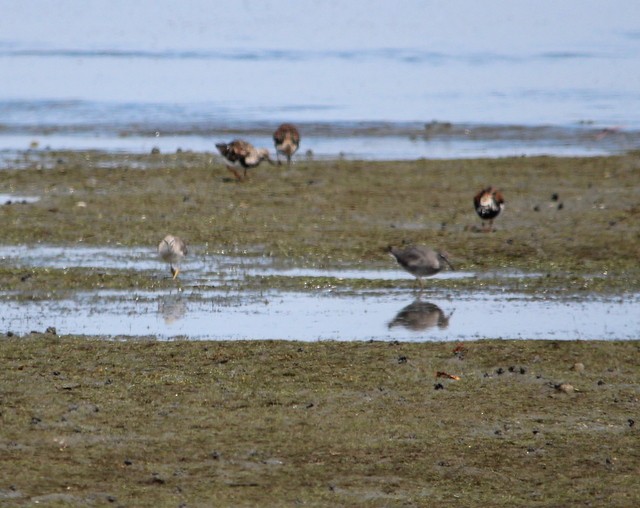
(421, 315)
(172, 308)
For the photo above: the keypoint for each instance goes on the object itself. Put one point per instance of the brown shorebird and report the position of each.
(420, 261)
(488, 203)
(287, 141)
(172, 249)
(241, 154)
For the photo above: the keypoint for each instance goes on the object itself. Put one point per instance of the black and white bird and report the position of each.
(171, 250)
(488, 203)
(286, 139)
(420, 261)
(242, 154)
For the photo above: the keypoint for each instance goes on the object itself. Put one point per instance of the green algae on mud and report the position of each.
(58, 282)
(147, 423)
(573, 219)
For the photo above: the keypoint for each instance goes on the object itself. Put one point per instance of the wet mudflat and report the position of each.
(139, 421)
(148, 423)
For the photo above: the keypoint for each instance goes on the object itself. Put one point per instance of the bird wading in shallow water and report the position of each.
(420, 261)
(241, 154)
(488, 203)
(286, 139)
(172, 249)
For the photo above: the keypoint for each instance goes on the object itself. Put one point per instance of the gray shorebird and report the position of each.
(242, 154)
(286, 139)
(172, 249)
(420, 261)
(488, 203)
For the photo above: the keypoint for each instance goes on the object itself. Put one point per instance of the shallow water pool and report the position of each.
(327, 315)
(198, 308)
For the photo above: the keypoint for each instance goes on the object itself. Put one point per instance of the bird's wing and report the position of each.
(241, 149)
(278, 135)
(413, 257)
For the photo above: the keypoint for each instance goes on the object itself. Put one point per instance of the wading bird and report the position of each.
(420, 261)
(172, 249)
(286, 139)
(488, 203)
(241, 154)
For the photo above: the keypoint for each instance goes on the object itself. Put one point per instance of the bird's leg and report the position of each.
(235, 173)
(288, 160)
(174, 271)
(245, 175)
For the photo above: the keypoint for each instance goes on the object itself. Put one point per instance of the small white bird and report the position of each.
(172, 249)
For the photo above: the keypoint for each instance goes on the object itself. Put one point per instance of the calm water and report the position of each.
(363, 78)
(392, 315)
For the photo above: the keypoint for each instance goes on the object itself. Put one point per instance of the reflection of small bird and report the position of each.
(287, 140)
(420, 261)
(242, 154)
(172, 308)
(421, 315)
(172, 249)
(488, 204)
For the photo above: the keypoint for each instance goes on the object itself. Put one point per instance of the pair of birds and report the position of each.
(417, 260)
(421, 261)
(242, 154)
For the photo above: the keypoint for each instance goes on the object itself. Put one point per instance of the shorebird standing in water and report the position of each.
(488, 204)
(420, 261)
(172, 249)
(286, 139)
(241, 154)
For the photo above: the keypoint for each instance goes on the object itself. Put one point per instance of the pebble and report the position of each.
(565, 387)
(578, 367)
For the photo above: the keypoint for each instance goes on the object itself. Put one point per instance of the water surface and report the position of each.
(327, 315)
(131, 76)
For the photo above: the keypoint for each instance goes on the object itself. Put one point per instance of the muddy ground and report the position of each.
(89, 421)
(146, 423)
